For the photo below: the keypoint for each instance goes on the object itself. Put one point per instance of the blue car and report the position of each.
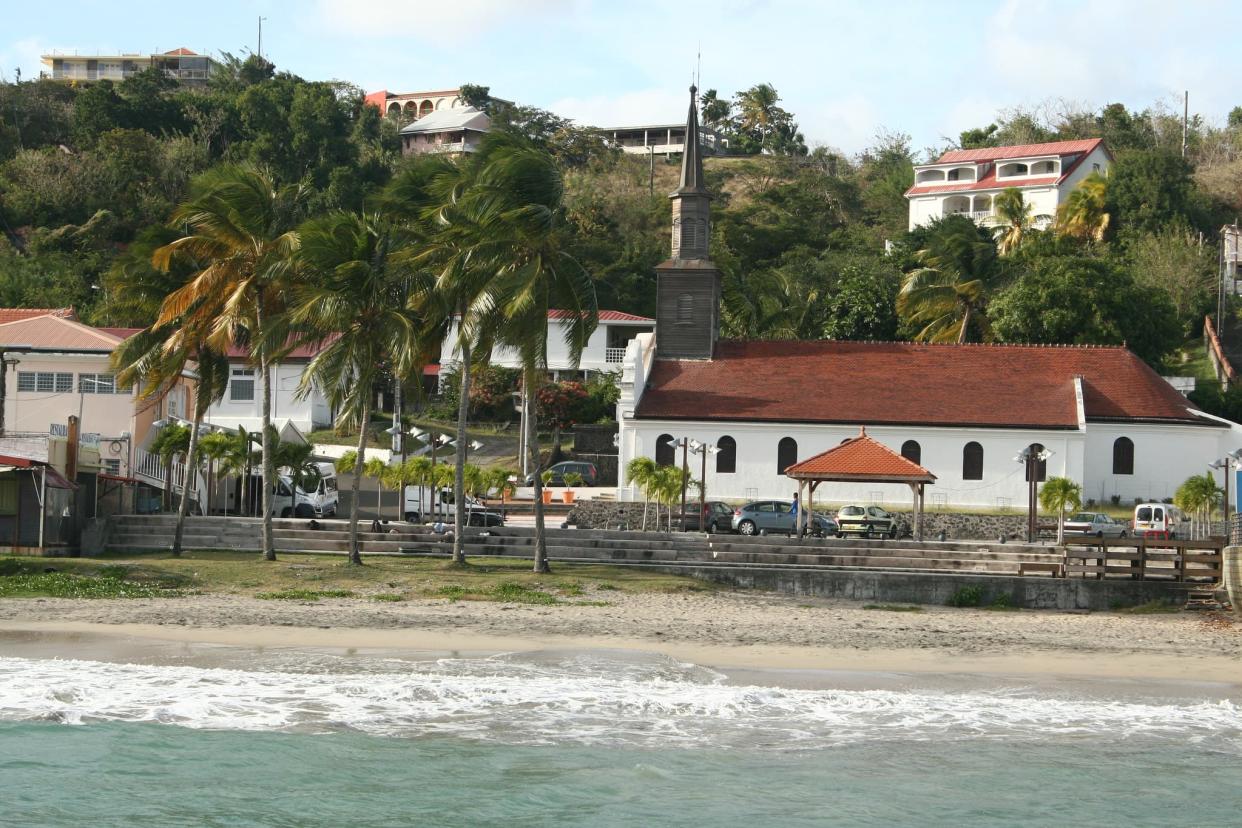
(776, 516)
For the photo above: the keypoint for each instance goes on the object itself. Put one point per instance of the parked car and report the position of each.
(424, 504)
(588, 471)
(1095, 524)
(868, 521)
(1160, 520)
(716, 516)
(776, 516)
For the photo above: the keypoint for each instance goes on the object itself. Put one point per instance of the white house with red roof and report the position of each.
(242, 404)
(965, 182)
(962, 412)
(603, 352)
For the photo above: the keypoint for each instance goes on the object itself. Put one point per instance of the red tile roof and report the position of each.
(604, 316)
(1020, 151)
(18, 314)
(860, 458)
(305, 351)
(988, 155)
(905, 383)
(184, 52)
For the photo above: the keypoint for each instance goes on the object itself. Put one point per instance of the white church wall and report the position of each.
(1164, 457)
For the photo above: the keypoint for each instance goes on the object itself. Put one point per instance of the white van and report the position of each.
(1158, 520)
(427, 504)
(322, 499)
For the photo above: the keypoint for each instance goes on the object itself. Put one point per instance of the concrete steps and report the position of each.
(155, 533)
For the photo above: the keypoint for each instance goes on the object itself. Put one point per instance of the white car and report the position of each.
(867, 521)
(1095, 525)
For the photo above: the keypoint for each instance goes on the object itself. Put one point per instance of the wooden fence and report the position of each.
(1143, 560)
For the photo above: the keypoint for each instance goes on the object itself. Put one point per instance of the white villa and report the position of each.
(661, 139)
(963, 412)
(964, 182)
(604, 352)
(242, 404)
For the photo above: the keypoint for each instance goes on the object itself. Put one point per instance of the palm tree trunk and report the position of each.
(961, 334)
(459, 474)
(191, 468)
(532, 444)
(1061, 525)
(355, 553)
(166, 499)
(269, 471)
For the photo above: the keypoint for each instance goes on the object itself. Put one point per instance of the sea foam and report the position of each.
(584, 699)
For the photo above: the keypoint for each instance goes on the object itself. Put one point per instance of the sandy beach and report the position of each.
(727, 629)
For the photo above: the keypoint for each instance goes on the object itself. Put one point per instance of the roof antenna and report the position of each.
(698, 64)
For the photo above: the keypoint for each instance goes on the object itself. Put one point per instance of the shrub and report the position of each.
(967, 596)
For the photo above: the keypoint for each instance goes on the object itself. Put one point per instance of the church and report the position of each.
(1100, 415)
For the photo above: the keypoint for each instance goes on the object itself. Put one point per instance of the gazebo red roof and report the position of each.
(860, 458)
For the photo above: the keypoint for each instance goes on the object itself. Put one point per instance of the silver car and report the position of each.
(1095, 524)
(775, 516)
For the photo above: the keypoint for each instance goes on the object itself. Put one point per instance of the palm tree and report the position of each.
(758, 109)
(960, 272)
(418, 471)
(1060, 494)
(716, 110)
(535, 274)
(298, 458)
(214, 448)
(240, 236)
(1197, 496)
(1084, 215)
(641, 472)
(172, 441)
(1015, 220)
(351, 270)
(377, 469)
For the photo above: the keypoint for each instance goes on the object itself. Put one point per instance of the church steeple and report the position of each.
(691, 201)
(688, 285)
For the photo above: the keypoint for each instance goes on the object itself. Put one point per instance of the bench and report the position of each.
(1057, 570)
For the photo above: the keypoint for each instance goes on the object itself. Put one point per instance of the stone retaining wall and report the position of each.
(611, 514)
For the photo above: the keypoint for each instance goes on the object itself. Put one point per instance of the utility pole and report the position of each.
(1185, 120)
(651, 170)
(260, 52)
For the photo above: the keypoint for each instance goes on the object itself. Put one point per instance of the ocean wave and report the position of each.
(586, 699)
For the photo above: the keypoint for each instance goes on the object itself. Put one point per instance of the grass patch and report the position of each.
(967, 596)
(312, 576)
(389, 597)
(892, 607)
(509, 592)
(43, 578)
(305, 594)
(1002, 603)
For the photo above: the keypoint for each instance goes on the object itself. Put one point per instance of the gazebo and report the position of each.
(859, 459)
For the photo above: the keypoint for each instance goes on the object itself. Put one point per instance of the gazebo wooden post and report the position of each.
(810, 498)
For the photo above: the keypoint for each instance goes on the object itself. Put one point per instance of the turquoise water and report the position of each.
(595, 739)
(143, 774)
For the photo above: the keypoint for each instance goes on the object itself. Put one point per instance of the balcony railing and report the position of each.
(614, 354)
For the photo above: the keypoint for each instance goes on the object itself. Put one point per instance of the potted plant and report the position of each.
(571, 479)
(546, 477)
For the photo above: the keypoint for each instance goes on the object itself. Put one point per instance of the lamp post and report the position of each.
(1031, 460)
(702, 449)
(1225, 463)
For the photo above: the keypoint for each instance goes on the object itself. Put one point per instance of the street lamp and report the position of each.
(1225, 463)
(703, 449)
(1031, 458)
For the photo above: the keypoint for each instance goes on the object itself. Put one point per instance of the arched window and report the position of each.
(665, 453)
(1123, 456)
(912, 451)
(786, 454)
(726, 458)
(972, 462)
(685, 309)
(1041, 472)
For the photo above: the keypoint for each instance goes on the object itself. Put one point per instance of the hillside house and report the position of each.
(966, 182)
